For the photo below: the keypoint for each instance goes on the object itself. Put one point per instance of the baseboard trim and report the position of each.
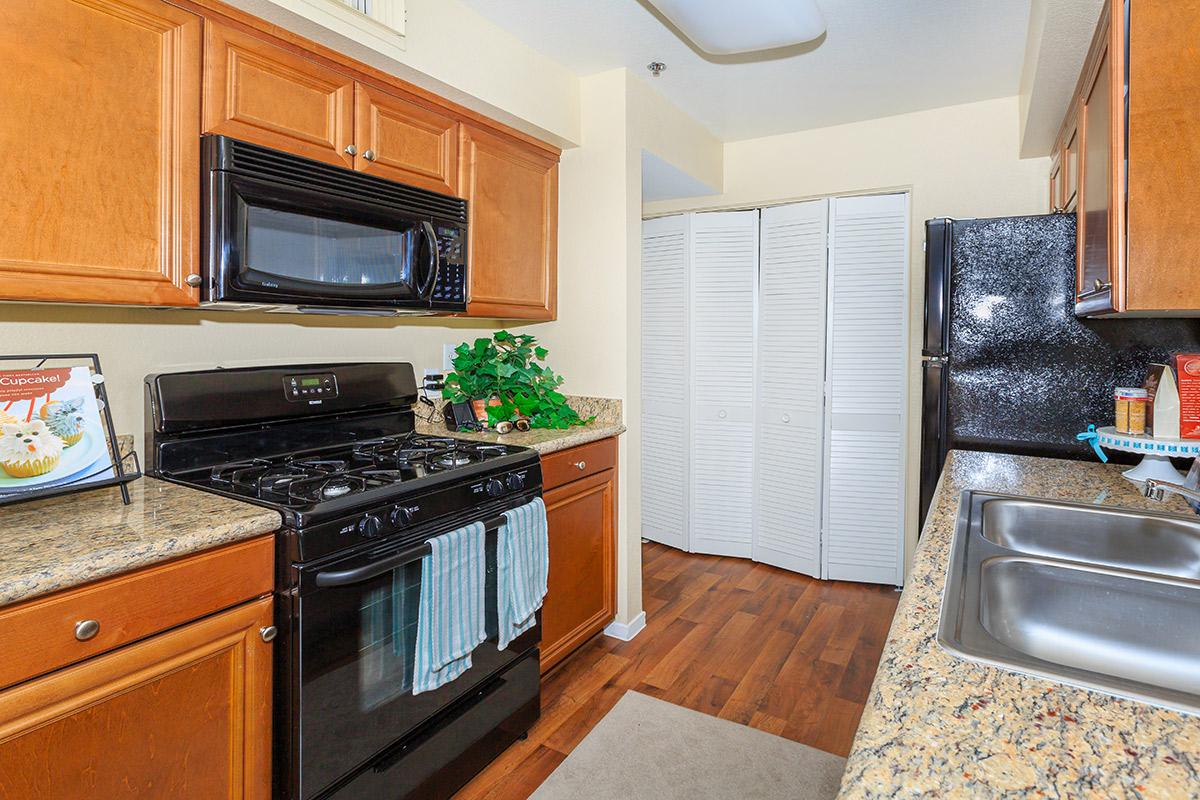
(626, 630)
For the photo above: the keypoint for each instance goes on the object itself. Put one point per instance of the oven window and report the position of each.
(387, 637)
(329, 251)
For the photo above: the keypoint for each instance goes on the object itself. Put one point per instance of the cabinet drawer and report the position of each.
(578, 462)
(40, 635)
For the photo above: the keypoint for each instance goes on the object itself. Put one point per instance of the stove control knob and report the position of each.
(402, 515)
(515, 481)
(494, 487)
(370, 526)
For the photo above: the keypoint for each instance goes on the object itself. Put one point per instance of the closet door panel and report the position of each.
(665, 383)
(723, 289)
(866, 369)
(791, 365)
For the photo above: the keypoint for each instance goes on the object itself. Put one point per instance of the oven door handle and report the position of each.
(345, 577)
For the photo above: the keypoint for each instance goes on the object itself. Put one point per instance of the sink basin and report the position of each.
(1106, 599)
(1110, 537)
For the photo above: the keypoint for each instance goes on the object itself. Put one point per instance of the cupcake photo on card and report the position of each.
(50, 430)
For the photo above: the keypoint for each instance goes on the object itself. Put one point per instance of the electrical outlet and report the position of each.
(448, 357)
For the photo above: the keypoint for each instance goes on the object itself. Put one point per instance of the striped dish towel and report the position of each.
(450, 620)
(522, 567)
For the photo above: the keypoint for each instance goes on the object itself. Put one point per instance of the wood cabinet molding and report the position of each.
(581, 599)
(261, 93)
(105, 209)
(407, 142)
(184, 714)
(512, 195)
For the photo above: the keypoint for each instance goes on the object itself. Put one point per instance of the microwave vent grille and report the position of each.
(244, 158)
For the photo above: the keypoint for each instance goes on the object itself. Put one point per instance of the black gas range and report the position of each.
(333, 449)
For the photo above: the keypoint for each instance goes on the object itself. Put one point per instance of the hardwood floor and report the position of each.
(738, 640)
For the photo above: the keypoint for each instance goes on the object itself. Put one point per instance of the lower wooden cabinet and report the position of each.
(185, 714)
(581, 514)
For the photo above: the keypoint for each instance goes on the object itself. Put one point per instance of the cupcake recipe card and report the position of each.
(50, 430)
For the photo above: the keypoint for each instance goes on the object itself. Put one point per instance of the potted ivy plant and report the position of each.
(508, 370)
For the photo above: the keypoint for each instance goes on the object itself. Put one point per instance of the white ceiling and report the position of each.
(878, 58)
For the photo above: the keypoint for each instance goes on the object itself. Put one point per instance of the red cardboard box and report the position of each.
(1187, 372)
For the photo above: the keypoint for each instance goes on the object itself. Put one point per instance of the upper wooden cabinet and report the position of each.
(257, 92)
(100, 179)
(1132, 149)
(512, 194)
(405, 142)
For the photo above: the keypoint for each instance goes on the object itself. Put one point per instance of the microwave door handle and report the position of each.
(346, 577)
(425, 290)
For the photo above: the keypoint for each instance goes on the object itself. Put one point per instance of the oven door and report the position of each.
(358, 628)
(282, 244)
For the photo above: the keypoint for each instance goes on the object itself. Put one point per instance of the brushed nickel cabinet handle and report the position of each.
(1100, 285)
(268, 633)
(580, 465)
(193, 280)
(351, 150)
(369, 155)
(86, 629)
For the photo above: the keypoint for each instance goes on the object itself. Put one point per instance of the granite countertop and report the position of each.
(607, 423)
(936, 725)
(60, 542)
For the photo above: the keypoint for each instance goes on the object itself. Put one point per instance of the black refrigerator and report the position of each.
(1006, 365)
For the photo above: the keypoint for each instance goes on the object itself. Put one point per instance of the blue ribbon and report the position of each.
(1093, 438)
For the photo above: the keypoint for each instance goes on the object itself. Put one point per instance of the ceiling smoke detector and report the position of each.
(656, 68)
(722, 28)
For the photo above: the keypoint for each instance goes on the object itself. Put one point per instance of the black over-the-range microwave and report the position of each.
(285, 233)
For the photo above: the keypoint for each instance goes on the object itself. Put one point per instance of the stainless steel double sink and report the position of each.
(1103, 598)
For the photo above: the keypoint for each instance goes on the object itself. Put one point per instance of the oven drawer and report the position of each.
(578, 462)
(438, 758)
(41, 635)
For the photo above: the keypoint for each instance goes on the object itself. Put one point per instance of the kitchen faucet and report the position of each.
(1155, 489)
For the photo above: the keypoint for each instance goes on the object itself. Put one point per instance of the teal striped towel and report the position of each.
(450, 620)
(522, 567)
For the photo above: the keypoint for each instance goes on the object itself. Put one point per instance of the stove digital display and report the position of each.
(310, 388)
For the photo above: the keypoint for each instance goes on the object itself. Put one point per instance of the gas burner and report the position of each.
(326, 465)
(326, 487)
(275, 481)
(451, 459)
(382, 477)
(226, 473)
(488, 450)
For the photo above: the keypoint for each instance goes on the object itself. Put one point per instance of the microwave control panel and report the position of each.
(451, 287)
(307, 388)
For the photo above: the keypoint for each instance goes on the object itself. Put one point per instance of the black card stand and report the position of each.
(123, 474)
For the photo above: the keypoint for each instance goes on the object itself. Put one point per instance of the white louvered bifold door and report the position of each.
(866, 374)
(665, 383)
(790, 424)
(724, 269)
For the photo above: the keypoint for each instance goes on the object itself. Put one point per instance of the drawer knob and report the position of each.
(268, 633)
(86, 628)
(580, 465)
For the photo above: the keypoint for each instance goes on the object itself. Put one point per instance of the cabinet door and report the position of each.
(512, 192)
(405, 142)
(100, 123)
(1056, 184)
(1095, 192)
(186, 714)
(1070, 170)
(261, 93)
(581, 598)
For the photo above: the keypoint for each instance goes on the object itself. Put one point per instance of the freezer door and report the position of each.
(933, 428)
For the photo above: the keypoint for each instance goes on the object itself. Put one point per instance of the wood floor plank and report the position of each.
(781, 652)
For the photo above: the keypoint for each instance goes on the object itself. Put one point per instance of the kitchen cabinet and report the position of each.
(1056, 183)
(182, 712)
(1129, 151)
(580, 491)
(260, 93)
(101, 175)
(402, 141)
(512, 193)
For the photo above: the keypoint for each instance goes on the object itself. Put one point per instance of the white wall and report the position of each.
(958, 161)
